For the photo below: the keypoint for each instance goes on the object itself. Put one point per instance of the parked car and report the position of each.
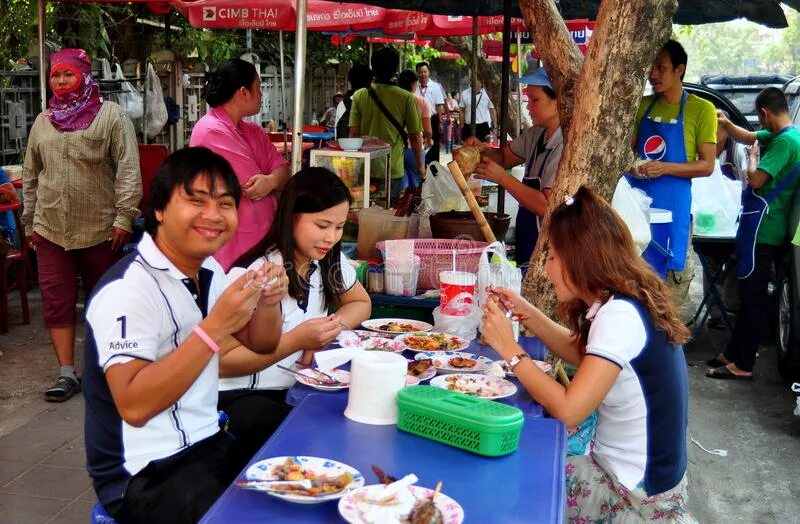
(743, 89)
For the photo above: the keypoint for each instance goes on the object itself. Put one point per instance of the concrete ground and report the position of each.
(42, 461)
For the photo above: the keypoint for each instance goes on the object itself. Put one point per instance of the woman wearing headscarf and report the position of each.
(81, 187)
(233, 90)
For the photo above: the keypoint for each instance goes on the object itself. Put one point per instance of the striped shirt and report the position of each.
(80, 184)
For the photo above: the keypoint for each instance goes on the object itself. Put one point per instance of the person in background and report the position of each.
(8, 230)
(434, 93)
(359, 76)
(329, 118)
(81, 191)
(675, 135)
(233, 91)
(452, 122)
(761, 242)
(624, 335)
(408, 80)
(485, 114)
(154, 327)
(388, 112)
(540, 147)
(306, 237)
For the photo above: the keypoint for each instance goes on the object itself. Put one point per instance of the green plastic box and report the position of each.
(474, 424)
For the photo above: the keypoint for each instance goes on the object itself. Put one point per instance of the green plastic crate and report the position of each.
(474, 424)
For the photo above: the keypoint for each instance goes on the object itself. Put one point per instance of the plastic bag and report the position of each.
(632, 205)
(716, 202)
(494, 269)
(107, 74)
(796, 389)
(129, 98)
(157, 114)
(440, 191)
(462, 326)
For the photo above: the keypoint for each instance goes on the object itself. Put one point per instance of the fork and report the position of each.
(347, 328)
(329, 380)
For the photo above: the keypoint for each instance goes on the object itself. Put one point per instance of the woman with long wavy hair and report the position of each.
(624, 335)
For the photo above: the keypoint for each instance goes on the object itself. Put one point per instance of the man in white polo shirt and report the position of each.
(154, 326)
(485, 115)
(434, 94)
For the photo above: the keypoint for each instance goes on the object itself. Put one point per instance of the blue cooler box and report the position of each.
(658, 253)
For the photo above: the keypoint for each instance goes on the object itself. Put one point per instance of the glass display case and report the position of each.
(365, 173)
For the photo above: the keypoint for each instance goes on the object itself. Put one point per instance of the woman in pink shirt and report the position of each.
(233, 90)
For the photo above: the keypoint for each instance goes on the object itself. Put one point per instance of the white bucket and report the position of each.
(401, 283)
(376, 378)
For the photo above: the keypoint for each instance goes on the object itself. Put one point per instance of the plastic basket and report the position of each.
(478, 425)
(436, 254)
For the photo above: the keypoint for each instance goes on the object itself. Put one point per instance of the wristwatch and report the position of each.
(516, 359)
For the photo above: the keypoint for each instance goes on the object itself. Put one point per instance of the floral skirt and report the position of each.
(595, 496)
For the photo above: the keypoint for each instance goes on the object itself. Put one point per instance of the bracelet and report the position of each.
(205, 338)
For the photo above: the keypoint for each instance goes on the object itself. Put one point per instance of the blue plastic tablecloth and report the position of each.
(532, 345)
(523, 487)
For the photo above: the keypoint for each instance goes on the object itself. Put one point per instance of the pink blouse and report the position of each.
(249, 152)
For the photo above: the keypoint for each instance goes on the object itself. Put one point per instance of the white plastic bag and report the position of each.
(462, 326)
(716, 201)
(107, 74)
(440, 191)
(632, 205)
(495, 270)
(157, 115)
(129, 98)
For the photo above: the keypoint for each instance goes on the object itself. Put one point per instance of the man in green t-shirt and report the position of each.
(369, 119)
(675, 138)
(781, 144)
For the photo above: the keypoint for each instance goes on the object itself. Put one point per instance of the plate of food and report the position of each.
(483, 386)
(396, 326)
(412, 504)
(373, 343)
(544, 366)
(313, 378)
(422, 369)
(329, 479)
(433, 342)
(363, 334)
(455, 361)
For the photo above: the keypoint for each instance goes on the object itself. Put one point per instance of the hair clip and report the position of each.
(569, 200)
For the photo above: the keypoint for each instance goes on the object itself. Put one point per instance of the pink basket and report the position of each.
(436, 254)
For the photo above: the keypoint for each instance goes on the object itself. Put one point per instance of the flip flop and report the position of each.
(715, 363)
(723, 372)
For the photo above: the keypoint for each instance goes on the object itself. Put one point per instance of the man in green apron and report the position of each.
(763, 230)
(676, 136)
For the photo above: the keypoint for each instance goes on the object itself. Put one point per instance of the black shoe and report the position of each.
(64, 389)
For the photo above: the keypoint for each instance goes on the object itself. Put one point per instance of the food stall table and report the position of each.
(318, 137)
(721, 247)
(525, 486)
(521, 399)
(360, 189)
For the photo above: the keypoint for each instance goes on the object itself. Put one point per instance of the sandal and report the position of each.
(723, 372)
(717, 362)
(64, 389)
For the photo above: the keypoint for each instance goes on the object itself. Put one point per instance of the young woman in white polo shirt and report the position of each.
(625, 337)
(306, 236)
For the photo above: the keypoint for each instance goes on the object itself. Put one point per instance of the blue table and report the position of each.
(318, 137)
(526, 486)
(532, 345)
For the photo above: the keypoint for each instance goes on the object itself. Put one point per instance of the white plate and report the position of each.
(411, 380)
(441, 361)
(263, 470)
(373, 343)
(544, 366)
(376, 323)
(426, 375)
(483, 386)
(351, 333)
(458, 342)
(354, 509)
(339, 374)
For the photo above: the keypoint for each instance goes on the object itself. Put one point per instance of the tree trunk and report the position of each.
(597, 101)
(491, 79)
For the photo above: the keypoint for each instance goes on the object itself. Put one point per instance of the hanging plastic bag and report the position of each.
(157, 114)
(632, 205)
(464, 326)
(107, 74)
(129, 98)
(440, 190)
(716, 202)
(495, 270)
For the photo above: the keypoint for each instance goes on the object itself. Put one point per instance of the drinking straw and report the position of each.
(454, 259)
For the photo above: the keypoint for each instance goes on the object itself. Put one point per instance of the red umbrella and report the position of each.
(398, 22)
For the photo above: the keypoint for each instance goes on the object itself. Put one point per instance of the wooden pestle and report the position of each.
(455, 171)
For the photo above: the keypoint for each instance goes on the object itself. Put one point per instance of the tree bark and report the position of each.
(597, 100)
(491, 79)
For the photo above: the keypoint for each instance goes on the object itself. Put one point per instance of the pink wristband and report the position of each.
(205, 338)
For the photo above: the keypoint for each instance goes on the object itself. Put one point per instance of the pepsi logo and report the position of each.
(655, 148)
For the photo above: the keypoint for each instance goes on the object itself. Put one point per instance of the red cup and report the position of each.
(456, 292)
